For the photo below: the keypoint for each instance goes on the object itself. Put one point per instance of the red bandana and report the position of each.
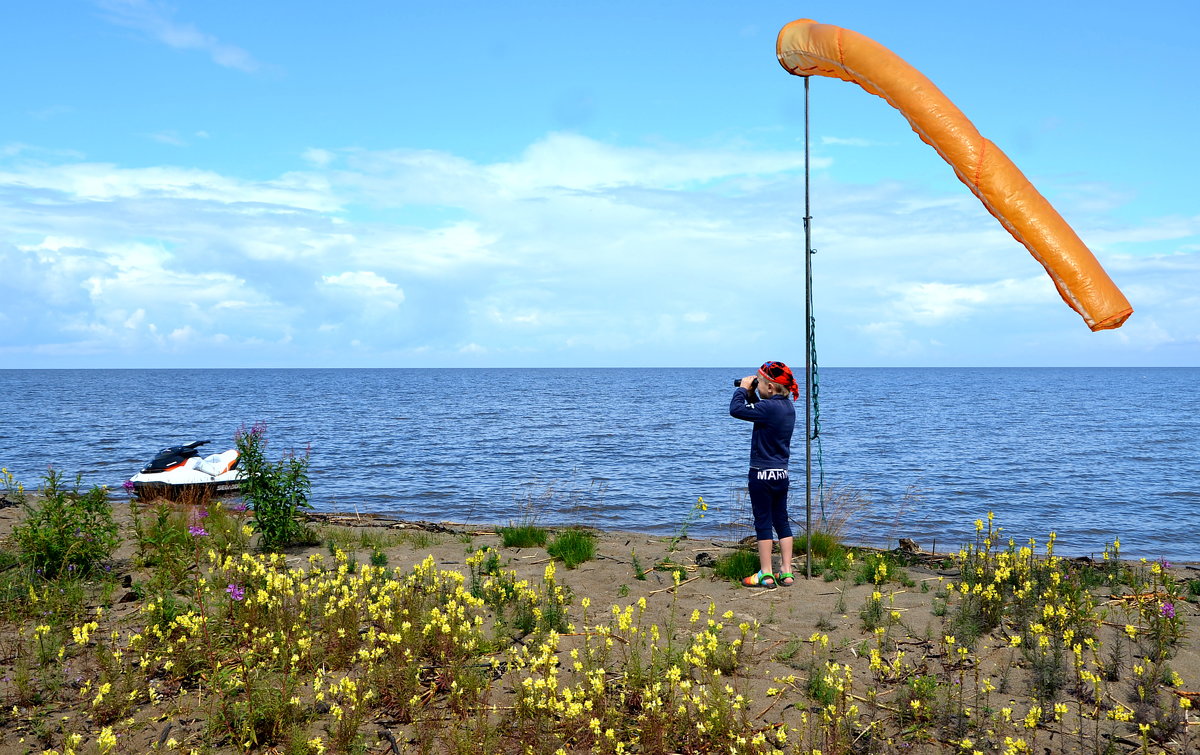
(779, 372)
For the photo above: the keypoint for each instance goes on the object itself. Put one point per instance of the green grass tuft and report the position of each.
(736, 565)
(522, 536)
(573, 547)
(824, 545)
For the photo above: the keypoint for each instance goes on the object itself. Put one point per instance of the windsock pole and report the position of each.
(808, 328)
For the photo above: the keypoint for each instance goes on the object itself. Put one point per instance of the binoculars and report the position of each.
(753, 383)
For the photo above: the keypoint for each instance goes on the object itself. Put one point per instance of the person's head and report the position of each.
(776, 379)
(768, 388)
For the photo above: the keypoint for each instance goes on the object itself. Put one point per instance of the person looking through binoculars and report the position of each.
(762, 399)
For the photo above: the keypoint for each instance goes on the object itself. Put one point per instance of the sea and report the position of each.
(1091, 455)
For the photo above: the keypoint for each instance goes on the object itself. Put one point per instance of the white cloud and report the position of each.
(889, 339)
(1145, 334)
(366, 285)
(428, 251)
(106, 182)
(168, 137)
(572, 161)
(320, 158)
(930, 303)
(575, 251)
(1095, 197)
(154, 20)
(54, 244)
(17, 149)
(526, 317)
(51, 112)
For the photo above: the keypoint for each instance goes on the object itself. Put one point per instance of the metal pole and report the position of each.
(807, 356)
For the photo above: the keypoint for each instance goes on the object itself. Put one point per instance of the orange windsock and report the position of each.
(806, 48)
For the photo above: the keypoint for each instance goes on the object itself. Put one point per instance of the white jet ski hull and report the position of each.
(191, 479)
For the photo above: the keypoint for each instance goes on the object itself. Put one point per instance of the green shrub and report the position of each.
(820, 688)
(573, 547)
(880, 568)
(14, 587)
(163, 542)
(793, 654)
(834, 566)
(12, 491)
(274, 491)
(66, 532)
(638, 571)
(967, 622)
(737, 564)
(522, 536)
(872, 613)
(918, 699)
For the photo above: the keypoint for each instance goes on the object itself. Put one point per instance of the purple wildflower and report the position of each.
(197, 530)
(128, 485)
(1166, 564)
(1168, 610)
(235, 592)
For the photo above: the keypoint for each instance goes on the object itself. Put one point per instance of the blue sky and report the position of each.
(372, 183)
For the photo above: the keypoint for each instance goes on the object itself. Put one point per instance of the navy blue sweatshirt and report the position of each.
(774, 419)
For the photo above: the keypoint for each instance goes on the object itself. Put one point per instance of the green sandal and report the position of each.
(787, 579)
(760, 579)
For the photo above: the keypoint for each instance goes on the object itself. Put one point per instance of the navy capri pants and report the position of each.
(768, 501)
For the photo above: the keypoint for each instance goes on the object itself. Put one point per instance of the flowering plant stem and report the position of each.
(274, 491)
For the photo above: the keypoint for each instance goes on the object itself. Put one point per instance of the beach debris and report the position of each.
(162, 737)
(908, 545)
(393, 745)
(1139, 597)
(380, 520)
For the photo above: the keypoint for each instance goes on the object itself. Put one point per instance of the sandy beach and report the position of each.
(889, 641)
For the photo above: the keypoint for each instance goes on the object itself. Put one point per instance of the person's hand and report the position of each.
(747, 381)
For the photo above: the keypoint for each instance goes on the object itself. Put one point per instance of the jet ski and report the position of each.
(179, 472)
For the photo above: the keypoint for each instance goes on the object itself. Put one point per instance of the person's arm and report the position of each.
(741, 408)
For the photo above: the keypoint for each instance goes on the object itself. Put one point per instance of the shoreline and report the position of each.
(637, 586)
(387, 521)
